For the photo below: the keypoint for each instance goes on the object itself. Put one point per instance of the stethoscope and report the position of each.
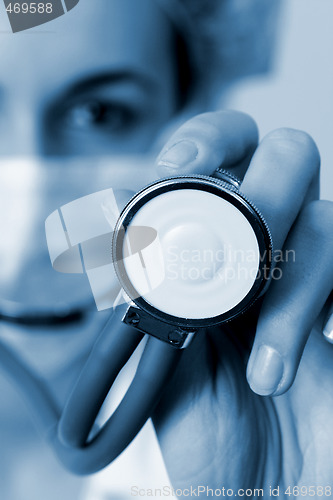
(189, 253)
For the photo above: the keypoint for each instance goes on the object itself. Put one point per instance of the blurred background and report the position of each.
(299, 91)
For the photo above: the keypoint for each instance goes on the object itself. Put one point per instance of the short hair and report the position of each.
(223, 40)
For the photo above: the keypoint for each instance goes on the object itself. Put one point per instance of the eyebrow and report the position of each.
(108, 78)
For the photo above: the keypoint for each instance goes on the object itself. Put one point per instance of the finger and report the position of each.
(283, 170)
(294, 301)
(207, 141)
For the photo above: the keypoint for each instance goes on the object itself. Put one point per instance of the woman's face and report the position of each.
(96, 81)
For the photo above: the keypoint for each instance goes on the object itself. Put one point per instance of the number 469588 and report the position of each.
(29, 8)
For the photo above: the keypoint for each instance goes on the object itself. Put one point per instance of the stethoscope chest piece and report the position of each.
(190, 252)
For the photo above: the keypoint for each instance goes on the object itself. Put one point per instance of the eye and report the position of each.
(98, 114)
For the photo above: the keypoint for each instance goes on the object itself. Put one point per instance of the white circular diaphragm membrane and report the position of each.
(205, 258)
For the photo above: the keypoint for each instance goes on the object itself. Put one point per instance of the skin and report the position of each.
(209, 413)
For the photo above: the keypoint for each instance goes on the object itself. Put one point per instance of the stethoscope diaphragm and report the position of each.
(210, 258)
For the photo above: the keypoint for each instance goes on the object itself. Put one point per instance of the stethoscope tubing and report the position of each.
(110, 353)
(68, 432)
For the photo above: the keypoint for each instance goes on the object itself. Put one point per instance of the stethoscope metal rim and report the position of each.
(215, 187)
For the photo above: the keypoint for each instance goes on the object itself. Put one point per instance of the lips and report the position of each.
(14, 312)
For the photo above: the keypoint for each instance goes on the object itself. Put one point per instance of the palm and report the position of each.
(215, 431)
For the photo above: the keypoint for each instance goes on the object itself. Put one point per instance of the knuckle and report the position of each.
(200, 127)
(213, 123)
(222, 115)
(208, 124)
(319, 218)
(295, 142)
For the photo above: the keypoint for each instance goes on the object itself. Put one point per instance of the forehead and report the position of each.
(95, 35)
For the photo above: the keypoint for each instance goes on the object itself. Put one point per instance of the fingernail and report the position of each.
(328, 329)
(179, 155)
(266, 371)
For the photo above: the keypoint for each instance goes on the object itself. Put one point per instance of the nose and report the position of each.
(23, 133)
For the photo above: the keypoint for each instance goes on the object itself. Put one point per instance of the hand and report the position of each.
(218, 423)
